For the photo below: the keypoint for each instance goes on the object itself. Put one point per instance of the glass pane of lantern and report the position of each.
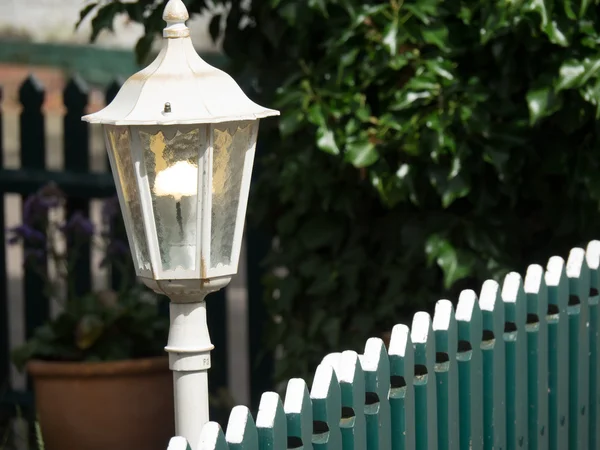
(120, 148)
(171, 159)
(231, 141)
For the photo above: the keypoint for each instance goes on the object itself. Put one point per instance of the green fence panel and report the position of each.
(271, 423)
(299, 415)
(211, 438)
(446, 374)
(179, 443)
(470, 371)
(558, 347)
(376, 365)
(515, 308)
(425, 382)
(537, 356)
(592, 255)
(578, 310)
(326, 399)
(494, 360)
(241, 431)
(402, 396)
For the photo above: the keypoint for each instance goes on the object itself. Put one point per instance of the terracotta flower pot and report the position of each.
(119, 405)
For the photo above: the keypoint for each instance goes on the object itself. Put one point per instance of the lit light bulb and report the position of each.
(178, 180)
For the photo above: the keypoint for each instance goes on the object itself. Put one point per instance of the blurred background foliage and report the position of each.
(424, 146)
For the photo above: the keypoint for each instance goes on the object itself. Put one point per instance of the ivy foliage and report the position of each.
(424, 146)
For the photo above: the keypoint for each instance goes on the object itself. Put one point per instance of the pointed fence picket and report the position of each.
(402, 396)
(515, 306)
(446, 372)
(516, 368)
(578, 311)
(558, 353)
(593, 260)
(470, 371)
(376, 364)
(537, 356)
(494, 356)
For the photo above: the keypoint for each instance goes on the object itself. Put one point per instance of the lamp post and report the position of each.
(180, 136)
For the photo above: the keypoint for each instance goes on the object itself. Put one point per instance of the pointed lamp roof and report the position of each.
(179, 87)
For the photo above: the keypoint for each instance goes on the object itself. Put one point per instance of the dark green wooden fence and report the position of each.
(81, 186)
(514, 367)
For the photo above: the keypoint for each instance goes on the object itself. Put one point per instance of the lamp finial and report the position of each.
(176, 14)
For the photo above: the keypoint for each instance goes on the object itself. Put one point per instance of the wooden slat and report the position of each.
(376, 365)
(592, 255)
(578, 310)
(33, 156)
(515, 307)
(4, 331)
(352, 384)
(537, 356)
(326, 399)
(494, 360)
(28, 181)
(402, 398)
(558, 347)
(425, 381)
(446, 373)
(211, 438)
(271, 423)
(299, 414)
(241, 431)
(470, 368)
(77, 160)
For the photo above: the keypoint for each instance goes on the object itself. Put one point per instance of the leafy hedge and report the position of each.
(424, 146)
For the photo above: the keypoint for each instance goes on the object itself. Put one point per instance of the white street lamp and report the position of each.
(181, 135)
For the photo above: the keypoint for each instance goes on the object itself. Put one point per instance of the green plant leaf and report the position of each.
(453, 263)
(290, 122)
(89, 329)
(326, 141)
(574, 73)
(555, 34)
(319, 5)
(104, 18)
(541, 103)
(361, 153)
(437, 36)
(541, 8)
(390, 37)
(84, 13)
(569, 11)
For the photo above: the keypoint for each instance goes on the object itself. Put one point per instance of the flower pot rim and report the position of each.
(48, 369)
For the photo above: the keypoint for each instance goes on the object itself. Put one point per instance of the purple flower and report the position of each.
(79, 225)
(36, 206)
(28, 234)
